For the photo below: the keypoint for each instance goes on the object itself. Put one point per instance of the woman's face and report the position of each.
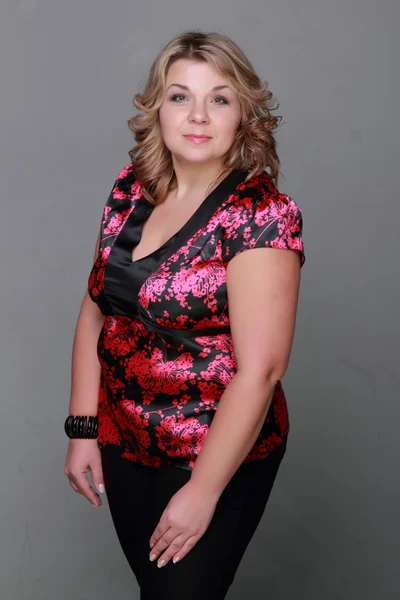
(198, 101)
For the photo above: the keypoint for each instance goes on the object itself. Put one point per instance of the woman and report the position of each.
(187, 484)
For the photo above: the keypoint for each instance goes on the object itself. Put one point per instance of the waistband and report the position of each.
(178, 333)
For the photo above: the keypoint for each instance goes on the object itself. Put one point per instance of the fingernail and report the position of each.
(161, 563)
(153, 557)
(101, 488)
(95, 505)
(175, 559)
(151, 544)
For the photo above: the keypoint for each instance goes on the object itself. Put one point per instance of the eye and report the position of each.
(224, 100)
(221, 99)
(173, 98)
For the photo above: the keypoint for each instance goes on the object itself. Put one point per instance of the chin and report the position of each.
(195, 157)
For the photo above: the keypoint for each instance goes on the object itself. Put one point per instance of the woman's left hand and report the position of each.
(183, 522)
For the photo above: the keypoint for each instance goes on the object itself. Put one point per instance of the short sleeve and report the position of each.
(266, 221)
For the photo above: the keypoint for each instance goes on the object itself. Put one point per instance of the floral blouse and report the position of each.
(165, 347)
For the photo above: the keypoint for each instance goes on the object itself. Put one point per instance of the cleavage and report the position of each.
(164, 222)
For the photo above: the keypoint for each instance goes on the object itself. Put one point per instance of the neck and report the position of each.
(197, 179)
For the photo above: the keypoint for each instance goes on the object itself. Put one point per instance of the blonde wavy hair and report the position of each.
(254, 146)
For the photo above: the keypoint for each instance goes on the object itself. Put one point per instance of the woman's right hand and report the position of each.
(84, 455)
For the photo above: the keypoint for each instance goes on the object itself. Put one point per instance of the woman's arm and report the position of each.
(263, 287)
(85, 372)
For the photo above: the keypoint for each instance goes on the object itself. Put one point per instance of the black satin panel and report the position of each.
(124, 278)
(103, 303)
(121, 281)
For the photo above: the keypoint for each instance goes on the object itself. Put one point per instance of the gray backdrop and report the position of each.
(68, 74)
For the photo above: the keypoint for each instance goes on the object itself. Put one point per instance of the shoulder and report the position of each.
(258, 215)
(126, 185)
(259, 200)
(126, 171)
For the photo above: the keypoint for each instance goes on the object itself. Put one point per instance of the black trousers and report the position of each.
(137, 496)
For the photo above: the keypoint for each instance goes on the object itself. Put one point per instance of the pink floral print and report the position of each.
(165, 348)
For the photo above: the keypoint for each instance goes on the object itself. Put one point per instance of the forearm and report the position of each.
(85, 367)
(241, 412)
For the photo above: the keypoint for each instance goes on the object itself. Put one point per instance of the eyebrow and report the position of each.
(185, 87)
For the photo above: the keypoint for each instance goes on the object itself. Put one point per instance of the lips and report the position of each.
(197, 139)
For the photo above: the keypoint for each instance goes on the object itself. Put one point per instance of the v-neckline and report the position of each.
(223, 185)
(148, 210)
(123, 278)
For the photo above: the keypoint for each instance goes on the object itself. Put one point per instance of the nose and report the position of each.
(198, 114)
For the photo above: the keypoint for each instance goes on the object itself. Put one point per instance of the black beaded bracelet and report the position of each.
(81, 426)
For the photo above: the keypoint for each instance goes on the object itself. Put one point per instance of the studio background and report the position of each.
(69, 71)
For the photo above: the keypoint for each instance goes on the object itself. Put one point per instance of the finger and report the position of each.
(163, 543)
(174, 549)
(74, 486)
(159, 531)
(97, 475)
(186, 548)
(86, 489)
